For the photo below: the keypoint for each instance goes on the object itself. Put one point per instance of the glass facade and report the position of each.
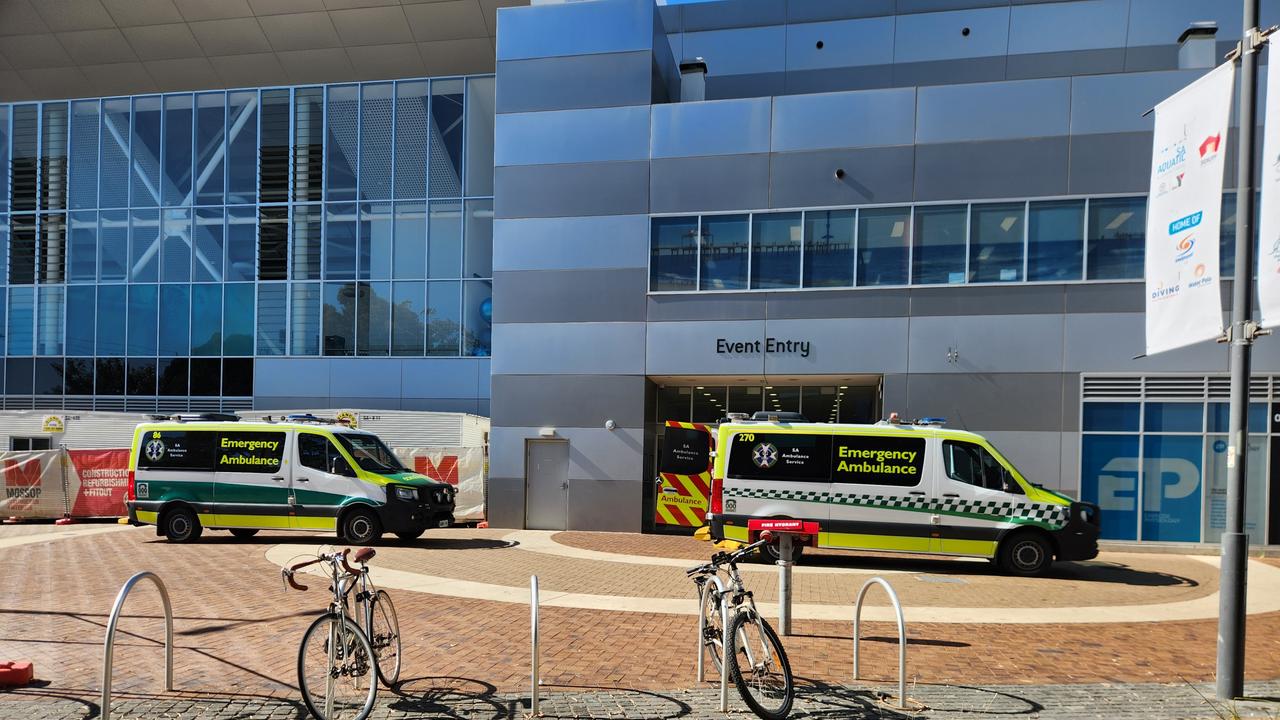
(1067, 240)
(155, 245)
(818, 403)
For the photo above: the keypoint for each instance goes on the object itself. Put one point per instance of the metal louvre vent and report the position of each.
(109, 404)
(138, 404)
(205, 405)
(1111, 387)
(48, 402)
(1182, 388)
(17, 402)
(78, 402)
(1170, 387)
(237, 403)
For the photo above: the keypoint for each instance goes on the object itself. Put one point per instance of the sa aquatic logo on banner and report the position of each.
(764, 455)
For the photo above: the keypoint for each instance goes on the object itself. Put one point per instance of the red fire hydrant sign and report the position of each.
(804, 527)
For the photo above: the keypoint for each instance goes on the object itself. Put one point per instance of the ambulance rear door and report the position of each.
(684, 474)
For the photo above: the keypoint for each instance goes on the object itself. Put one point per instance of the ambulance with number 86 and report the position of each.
(895, 487)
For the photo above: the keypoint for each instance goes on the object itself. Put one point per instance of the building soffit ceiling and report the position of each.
(55, 49)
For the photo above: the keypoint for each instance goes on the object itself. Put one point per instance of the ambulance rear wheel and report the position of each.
(1027, 554)
(181, 525)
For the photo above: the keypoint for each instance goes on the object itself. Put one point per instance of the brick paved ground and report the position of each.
(442, 698)
(237, 633)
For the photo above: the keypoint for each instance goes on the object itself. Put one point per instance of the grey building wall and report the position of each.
(1036, 100)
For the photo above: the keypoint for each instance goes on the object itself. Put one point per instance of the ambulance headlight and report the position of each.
(404, 492)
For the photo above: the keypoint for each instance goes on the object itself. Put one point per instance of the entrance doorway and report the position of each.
(546, 484)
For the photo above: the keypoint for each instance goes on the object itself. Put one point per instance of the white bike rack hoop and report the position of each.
(902, 634)
(109, 645)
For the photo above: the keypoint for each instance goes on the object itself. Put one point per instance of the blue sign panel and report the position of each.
(1172, 487)
(1109, 477)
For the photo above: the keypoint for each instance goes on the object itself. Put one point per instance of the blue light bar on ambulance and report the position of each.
(932, 421)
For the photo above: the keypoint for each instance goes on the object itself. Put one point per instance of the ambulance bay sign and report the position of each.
(1184, 213)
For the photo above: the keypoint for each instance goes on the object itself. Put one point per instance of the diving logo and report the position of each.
(764, 455)
(154, 450)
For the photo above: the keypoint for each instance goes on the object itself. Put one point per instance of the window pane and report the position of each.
(53, 157)
(411, 139)
(140, 376)
(242, 147)
(1215, 482)
(306, 231)
(882, 246)
(80, 319)
(82, 180)
(723, 259)
(1170, 461)
(112, 313)
(995, 244)
(49, 320)
(171, 376)
(1174, 417)
(1117, 231)
(82, 266)
(48, 379)
(444, 240)
(22, 308)
(819, 404)
(175, 259)
(142, 320)
(480, 116)
(53, 243)
(304, 337)
(308, 139)
(776, 239)
(373, 319)
(242, 243)
(408, 319)
(340, 242)
(744, 399)
(1055, 242)
(410, 240)
(108, 377)
(4, 158)
(206, 320)
(144, 245)
(673, 254)
(938, 254)
(113, 181)
(478, 256)
(1227, 241)
(22, 249)
(237, 377)
(272, 309)
(4, 246)
(1111, 417)
(828, 248)
(211, 166)
(19, 375)
(208, 245)
(113, 245)
(79, 376)
(446, 138)
(708, 403)
(145, 148)
(1109, 478)
(273, 147)
(178, 119)
(273, 242)
(477, 303)
(175, 320)
(342, 141)
(782, 399)
(206, 377)
(376, 225)
(25, 161)
(339, 320)
(237, 319)
(375, 141)
(444, 318)
(1220, 417)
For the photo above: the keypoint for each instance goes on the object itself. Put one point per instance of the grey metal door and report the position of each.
(546, 484)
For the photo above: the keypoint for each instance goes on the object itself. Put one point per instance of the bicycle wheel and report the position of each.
(384, 635)
(336, 670)
(760, 668)
(713, 628)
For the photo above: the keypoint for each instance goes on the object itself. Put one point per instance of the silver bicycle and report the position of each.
(344, 653)
(757, 662)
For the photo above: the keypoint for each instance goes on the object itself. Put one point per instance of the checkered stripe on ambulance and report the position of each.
(906, 488)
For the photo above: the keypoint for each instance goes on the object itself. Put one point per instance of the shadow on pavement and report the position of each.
(1087, 571)
(820, 701)
(215, 537)
(648, 698)
(450, 697)
(984, 701)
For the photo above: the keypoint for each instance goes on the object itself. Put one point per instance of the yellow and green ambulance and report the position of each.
(897, 487)
(218, 473)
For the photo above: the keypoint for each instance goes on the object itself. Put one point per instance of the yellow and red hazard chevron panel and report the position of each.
(682, 499)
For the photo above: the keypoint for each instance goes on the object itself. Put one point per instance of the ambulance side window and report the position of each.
(318, 453)
(973, 465)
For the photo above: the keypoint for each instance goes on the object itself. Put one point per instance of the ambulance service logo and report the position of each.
(765, 456)
(154, 450)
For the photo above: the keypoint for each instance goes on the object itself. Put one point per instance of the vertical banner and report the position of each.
(1184, 305)
(1268, 254)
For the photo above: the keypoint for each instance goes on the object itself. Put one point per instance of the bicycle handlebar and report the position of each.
(723, 558)
(335, 558)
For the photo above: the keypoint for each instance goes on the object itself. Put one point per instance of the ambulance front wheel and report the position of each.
(1027, 554)
(360, 527)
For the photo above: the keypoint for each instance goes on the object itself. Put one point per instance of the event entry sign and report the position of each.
(1184, 213)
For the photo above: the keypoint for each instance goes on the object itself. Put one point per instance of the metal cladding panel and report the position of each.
(803, 11)
(722, 127)
(291, 377)
(950, 72)
(568, 349)
(1012, 299)
(397, 428)
(443, 377)
(985, 111)
(570, 136)
(570, 295)
(594, 453)
(689, 348)
(584, 81)
(1037, 455)
(836, 346)
(844, 119)
(1064, 64)
(992, 169)
(745, 51)
(726, 182)
(1116, 103)
(1062, 27)
(539, 400)
(604, 188)
(603, 26)
(871, 175)
(748, 306)
(1110, 163)
(981, 401)
(505, 500)
(1113, 342)
(864, 302)
(572, 243)
(589, 501)
(936, 36)
(987, 344)
(840, 43)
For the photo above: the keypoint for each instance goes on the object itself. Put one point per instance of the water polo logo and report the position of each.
(1200, 270)
(764, 455)
(154, 450)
